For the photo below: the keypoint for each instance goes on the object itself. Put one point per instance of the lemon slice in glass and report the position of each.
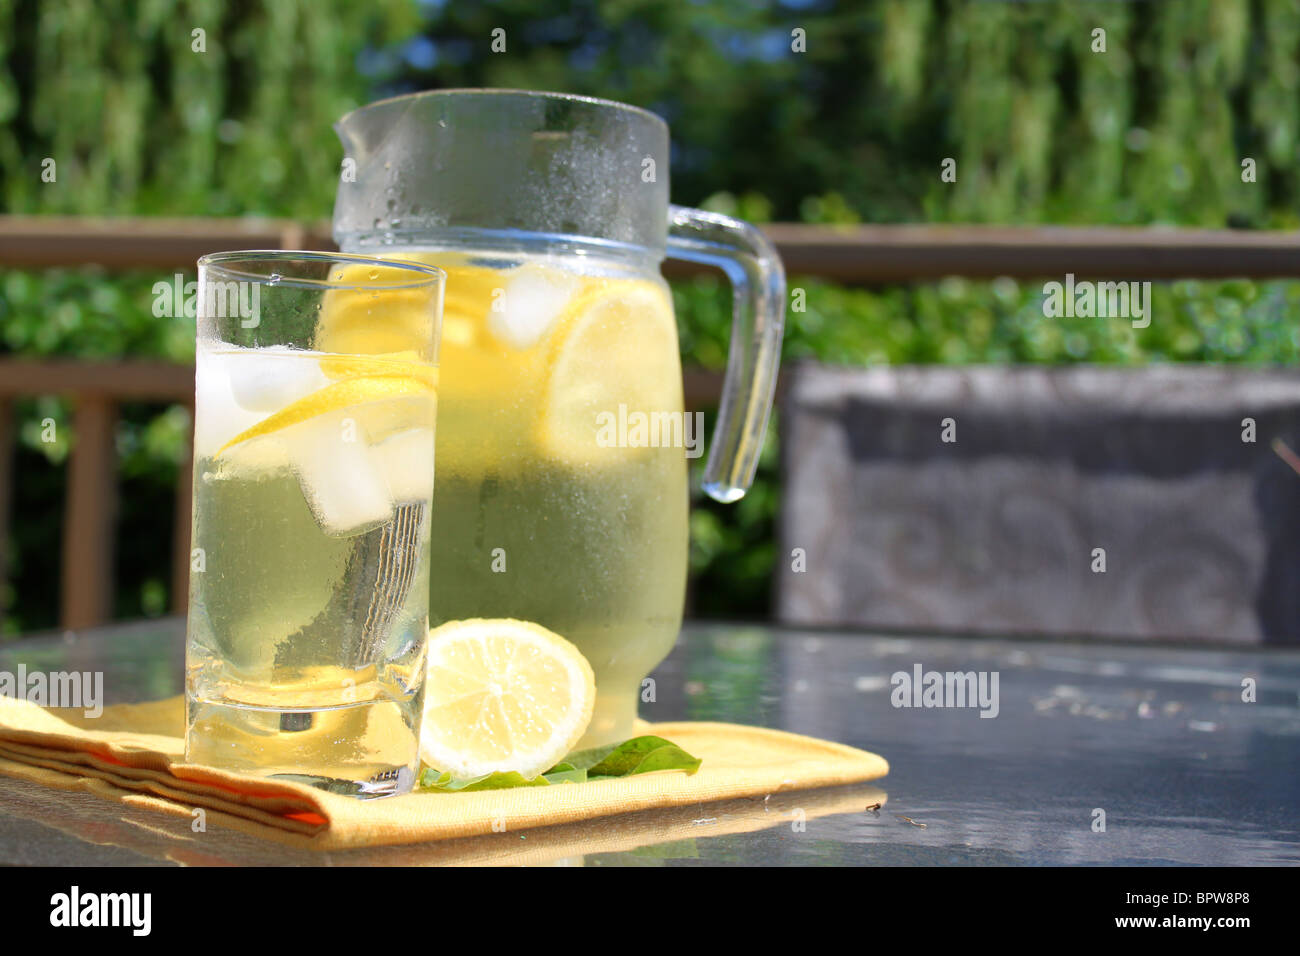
(616, 345)
(359, 391)
(503, 695)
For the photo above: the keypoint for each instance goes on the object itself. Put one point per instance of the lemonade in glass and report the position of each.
(313, 453)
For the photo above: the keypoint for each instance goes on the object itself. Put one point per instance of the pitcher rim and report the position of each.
(492, 90)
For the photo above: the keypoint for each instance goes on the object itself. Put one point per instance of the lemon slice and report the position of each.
(349, 392)
(503, 695)
(376, 320)
(405, 364)
(615, 345)
(470, 289)
(491, 390)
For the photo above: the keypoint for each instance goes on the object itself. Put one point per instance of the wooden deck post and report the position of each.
(89, 515)
(7, 432)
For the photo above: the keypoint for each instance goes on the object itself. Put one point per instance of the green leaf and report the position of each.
(572, 775)
(638, 755)
(433, 780)
(586, 759)
(642, 755)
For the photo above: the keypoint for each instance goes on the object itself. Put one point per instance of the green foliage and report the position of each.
(1043, 128)
(88, 313)
(645, 754)
(960, 321)
(139, 121)
(955, 321)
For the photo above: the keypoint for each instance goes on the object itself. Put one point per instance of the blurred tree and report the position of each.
(142, 115)
(197, 107)
(1048, 119)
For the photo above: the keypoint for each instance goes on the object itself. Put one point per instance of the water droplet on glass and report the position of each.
(374, 274)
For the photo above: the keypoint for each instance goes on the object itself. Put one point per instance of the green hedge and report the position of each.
(88, 314)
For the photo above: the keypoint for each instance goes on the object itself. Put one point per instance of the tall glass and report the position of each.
(316, 381)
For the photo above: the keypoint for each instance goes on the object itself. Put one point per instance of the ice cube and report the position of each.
(407, 462)
(528, 305)
(343, 483)
(267, 379)
(218, 417)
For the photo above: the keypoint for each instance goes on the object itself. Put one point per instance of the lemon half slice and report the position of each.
(615, 346)
(393, 365)
(503, 695)
(357, 391)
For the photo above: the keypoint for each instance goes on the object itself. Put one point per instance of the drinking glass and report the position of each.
(316, 381)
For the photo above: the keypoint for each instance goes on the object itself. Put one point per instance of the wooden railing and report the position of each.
(90, 505)
(850, 254)
(859, 254)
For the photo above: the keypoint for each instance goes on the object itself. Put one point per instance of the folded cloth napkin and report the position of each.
(135, 754)
(664, 833)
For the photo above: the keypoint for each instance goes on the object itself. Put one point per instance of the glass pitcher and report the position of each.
(562, 443)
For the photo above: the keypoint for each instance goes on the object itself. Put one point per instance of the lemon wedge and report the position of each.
(503, 695)
(482, 365)
(405, 364)
(347, 393)
(616, 344)
(372, 321)
(379, 344)
(492, 389)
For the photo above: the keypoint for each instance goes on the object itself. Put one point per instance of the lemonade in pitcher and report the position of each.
(545, 509)
(562, 447)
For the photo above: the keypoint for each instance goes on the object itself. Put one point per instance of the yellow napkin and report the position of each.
(663, 833)
(135, 754)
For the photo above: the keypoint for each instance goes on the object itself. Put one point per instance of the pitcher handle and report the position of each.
(757, 279)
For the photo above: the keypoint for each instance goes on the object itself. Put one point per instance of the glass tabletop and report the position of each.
(1090, 753)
